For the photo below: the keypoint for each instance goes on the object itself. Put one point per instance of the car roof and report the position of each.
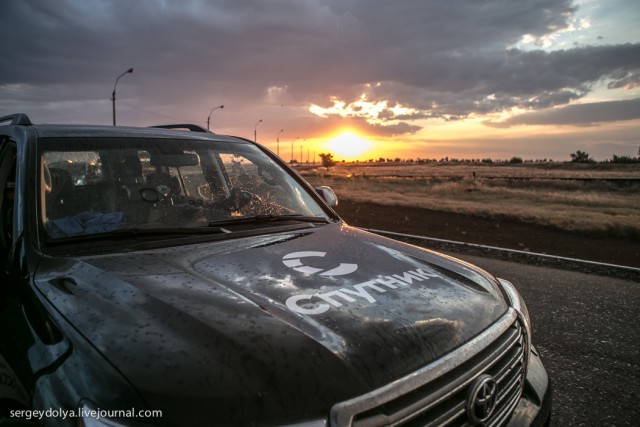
(97, 131)
(173, 131)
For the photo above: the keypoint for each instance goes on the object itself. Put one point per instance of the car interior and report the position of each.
(157, 186)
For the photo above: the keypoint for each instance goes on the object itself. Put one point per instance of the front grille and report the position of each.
(438, 394)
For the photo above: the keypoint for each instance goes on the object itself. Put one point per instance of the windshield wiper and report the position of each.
(128, 233)
(270, 218)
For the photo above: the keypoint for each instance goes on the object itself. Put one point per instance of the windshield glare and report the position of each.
(93, 186)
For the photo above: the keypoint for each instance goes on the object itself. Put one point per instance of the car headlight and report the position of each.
(518, 304)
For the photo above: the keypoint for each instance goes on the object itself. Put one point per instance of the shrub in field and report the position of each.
(581, 157)
(327, 160)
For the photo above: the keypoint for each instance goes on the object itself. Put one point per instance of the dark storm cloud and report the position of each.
(445, 59)
(580, 115)
(506, 79)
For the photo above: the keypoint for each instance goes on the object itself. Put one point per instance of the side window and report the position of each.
(241, 172)
(191, 176)
(8, 156)
(74, 182)
(145, 163)
(177, 174)
(83, 167)
(264, 181)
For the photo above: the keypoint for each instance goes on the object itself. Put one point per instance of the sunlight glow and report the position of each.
(348, 146)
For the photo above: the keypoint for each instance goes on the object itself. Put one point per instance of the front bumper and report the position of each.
(534, 408)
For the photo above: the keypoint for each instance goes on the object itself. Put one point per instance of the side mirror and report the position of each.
(328, 195)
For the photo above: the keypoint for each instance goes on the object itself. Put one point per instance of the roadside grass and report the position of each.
(556, 198)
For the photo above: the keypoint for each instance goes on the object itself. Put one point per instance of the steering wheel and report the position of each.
(240, 198)
(165, 190)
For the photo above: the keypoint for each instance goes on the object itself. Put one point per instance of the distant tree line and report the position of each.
(454, 160)
(578, 157)
(584, 157)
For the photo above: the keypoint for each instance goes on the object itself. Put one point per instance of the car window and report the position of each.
(264, 180)
(100, 186)
(191, 177)
(83, 167)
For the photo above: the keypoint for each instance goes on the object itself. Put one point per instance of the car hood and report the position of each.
(278, 324)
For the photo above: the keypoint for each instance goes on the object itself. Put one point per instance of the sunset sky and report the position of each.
(358, 78)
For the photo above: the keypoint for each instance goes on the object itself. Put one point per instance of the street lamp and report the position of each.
(255, 131)
(113, 95)
(278, 142)
(210, 112)
(292, 141)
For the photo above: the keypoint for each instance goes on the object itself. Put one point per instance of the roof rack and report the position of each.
(17, 119)
(192, 128)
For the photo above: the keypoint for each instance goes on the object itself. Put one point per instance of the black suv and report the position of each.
(179, 277)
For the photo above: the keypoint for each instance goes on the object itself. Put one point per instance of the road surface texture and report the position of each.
(585, 326)
(587, 330)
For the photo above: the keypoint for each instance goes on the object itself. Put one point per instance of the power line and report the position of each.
(32, 91)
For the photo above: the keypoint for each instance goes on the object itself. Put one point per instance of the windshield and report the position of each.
(94, 185)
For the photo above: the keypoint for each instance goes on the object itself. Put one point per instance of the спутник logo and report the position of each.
(293, 260)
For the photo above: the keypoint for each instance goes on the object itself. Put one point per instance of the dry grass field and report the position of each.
(601, 199)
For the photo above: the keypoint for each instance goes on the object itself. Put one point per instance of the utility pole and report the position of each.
(278, 142)
(113, 95)
(210, 112)
(255, 131)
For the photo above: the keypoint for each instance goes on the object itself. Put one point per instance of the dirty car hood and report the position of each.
(280, 324)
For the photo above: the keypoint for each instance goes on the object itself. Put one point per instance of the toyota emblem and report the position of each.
(482, 400)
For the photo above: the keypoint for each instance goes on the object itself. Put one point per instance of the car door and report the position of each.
(13, 394)
(30, 343)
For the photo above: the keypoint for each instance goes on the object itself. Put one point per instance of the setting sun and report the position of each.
(348, 146)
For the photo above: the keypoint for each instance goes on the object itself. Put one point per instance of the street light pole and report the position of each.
(292, 141)
(113, 95)
(255, 131)
(210, 112)
(278, 142)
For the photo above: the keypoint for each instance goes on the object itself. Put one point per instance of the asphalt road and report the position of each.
(587, 329)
